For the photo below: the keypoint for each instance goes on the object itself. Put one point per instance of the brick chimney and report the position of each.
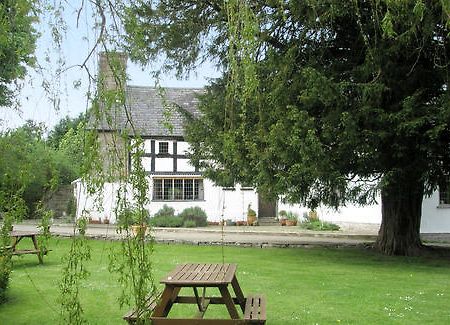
(112, 70)
(111, 90)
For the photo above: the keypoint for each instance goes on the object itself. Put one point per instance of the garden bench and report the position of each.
(150, 303)
(255, 310)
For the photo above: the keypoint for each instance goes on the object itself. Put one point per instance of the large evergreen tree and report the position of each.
(324, 101)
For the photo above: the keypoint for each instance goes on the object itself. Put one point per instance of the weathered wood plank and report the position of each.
(188, 321)
(151, 301)
(255, 309)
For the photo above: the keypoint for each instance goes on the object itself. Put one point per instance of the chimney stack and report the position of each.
(112, 71)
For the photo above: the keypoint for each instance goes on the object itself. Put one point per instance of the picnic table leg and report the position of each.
(238, 292)
(15, 242)
(228, 300)
(168, 296)
(41, 261)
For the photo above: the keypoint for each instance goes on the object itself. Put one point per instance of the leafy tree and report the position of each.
(59, 131)
(29, 168)
(17, 44)
(323, 102)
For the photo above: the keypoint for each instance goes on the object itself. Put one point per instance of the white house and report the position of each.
(174, 181)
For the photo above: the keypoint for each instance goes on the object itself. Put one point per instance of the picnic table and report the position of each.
(203, 276)
(17, 236)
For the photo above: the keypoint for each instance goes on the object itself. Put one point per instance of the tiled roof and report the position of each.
(154, 111)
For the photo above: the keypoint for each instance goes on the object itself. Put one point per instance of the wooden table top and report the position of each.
(18, 233)
(193, 274)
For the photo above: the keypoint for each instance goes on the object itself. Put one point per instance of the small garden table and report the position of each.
(204, 276)
(17, 236)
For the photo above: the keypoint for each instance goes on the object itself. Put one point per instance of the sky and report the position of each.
(35, 103)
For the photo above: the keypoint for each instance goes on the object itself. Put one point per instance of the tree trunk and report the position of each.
(401, 211)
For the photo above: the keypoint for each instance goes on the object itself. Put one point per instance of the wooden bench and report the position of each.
(150, 303)
(255, 310)
(8, 249)
(29, 251)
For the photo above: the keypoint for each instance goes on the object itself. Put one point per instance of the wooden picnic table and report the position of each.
(17, 236)
(201, 277)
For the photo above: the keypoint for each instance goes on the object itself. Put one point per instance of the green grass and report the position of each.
(319, 225)
(302, 286)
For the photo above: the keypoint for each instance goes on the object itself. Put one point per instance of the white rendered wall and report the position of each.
(183, 165)
(182, 147)
(146, 163)
(435, 219)
(163, 165)
(226, 204)
(147, 146)
(100, 206)
(217, 203)
(350, 213)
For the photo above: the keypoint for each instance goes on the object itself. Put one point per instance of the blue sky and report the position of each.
(34, 100)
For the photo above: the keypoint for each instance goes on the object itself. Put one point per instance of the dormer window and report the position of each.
(164, 147)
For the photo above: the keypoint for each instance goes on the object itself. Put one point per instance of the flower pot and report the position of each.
(291, 222)
(283, 222)
(251, 220)
(312, 215)
(139, 230)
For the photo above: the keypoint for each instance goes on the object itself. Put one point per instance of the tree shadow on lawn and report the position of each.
(367, 254)
(29, 262)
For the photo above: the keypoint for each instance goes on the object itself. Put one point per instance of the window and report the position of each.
(178, 189)
(444, 192)
(164, 147)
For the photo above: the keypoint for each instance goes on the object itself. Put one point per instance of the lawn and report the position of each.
(302, 286)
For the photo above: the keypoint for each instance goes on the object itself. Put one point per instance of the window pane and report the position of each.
(188, 189)
(444, 192)
(168, 189)
(157, 189)
(198, 189)
(164, 147)
(178, 189)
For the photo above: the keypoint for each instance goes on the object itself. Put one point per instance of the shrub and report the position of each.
(189, 224)
(250, 211)
(195, 214)
(291, 216)
(130, 216)
(5, 270)
(319, 225)
(166, 221)
(165, 211)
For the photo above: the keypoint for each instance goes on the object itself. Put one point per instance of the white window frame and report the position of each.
(164, 189)
(444, 193)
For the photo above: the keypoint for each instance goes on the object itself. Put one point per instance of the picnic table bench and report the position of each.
(203, 276)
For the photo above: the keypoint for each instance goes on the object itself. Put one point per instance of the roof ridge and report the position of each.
(176, 88)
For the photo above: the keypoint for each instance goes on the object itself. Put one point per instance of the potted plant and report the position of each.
(282, 217)
(251, 216)
(312, 215)
(291, 219)
(140, 219)
(131, 218)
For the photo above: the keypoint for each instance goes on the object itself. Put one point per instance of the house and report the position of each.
(174, 181)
